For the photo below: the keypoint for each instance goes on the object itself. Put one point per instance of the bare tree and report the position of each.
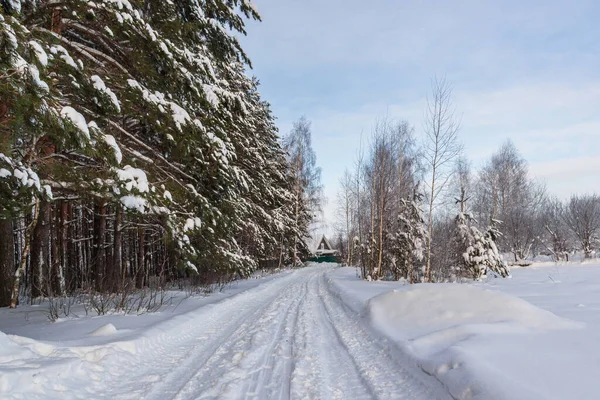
(368, 211)
(555, 238)
(507, 193)
(463, 183)
(306, 175)
(582, 214)
(345, 211)
(440, 149)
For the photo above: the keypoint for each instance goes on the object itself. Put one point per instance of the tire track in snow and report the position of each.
(291, 338)
(172, 357)
(223, 348)
(323, 364)
(384, 370)
(244, 365)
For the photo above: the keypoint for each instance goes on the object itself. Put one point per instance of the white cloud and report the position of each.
(567, 176)
(522, 70)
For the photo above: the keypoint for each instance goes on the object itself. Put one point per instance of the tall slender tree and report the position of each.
(441, 148)
(306, 178)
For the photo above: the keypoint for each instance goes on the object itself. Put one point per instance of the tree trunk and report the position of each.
(141, 259)
(349, 242)
(56, 22)
(7, 261)
(430, 227)
(295, 236)
(381, 215)
(99, 247)
(117, 250)
(371, 247)
(24, 254)
(39, 252)
(57, 279)
(281, 252)
(64, 244)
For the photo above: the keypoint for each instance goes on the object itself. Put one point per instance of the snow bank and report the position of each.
(104, 330)
(531, 337)
(433, 317)
(437, 323)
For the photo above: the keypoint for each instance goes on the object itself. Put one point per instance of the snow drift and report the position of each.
(433, 316)
(437, 324)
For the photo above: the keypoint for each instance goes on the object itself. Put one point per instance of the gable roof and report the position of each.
(326, 247)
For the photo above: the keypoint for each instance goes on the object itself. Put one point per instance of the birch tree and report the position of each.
(440, 149)
(346, 213)
(556, 237)
(306, 178)
(507, 193)
(582, 214)
(382, 181)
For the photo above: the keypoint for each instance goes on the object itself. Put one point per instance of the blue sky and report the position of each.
(525, 70)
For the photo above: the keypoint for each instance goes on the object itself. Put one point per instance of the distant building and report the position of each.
(324, 252)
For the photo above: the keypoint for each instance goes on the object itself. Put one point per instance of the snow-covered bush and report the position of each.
(477, 252)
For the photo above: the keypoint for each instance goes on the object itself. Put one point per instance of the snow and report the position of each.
(104, 330)
(121, 4)
(101, 86)
(192, 223)
(35, 77)
(454, 312)
(64, 55)
(22, 66)
(27, 177)
(279, 337)
(180, 116)
(165, 50)
(4, 173)
(321, 332)
(111, 141)
(15, 5)
(12, 44)
(530, 337)
(134, 203)
(47, 191)
(40, 54)
(76, 119)
(211, 97)
(192, 266)
(134, 178)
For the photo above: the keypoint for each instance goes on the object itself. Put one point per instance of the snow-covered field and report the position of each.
(320, 332)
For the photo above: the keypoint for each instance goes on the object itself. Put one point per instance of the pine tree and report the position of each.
(477, 252)
(408, 243)
(141, 120)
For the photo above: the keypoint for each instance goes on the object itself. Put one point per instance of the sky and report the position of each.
(528, 71)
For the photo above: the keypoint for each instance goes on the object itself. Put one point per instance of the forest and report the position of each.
(136, 151)
(414, 208)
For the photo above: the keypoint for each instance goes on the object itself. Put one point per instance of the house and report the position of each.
(324, 252)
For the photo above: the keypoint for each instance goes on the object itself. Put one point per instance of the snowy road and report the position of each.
(289, 338)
